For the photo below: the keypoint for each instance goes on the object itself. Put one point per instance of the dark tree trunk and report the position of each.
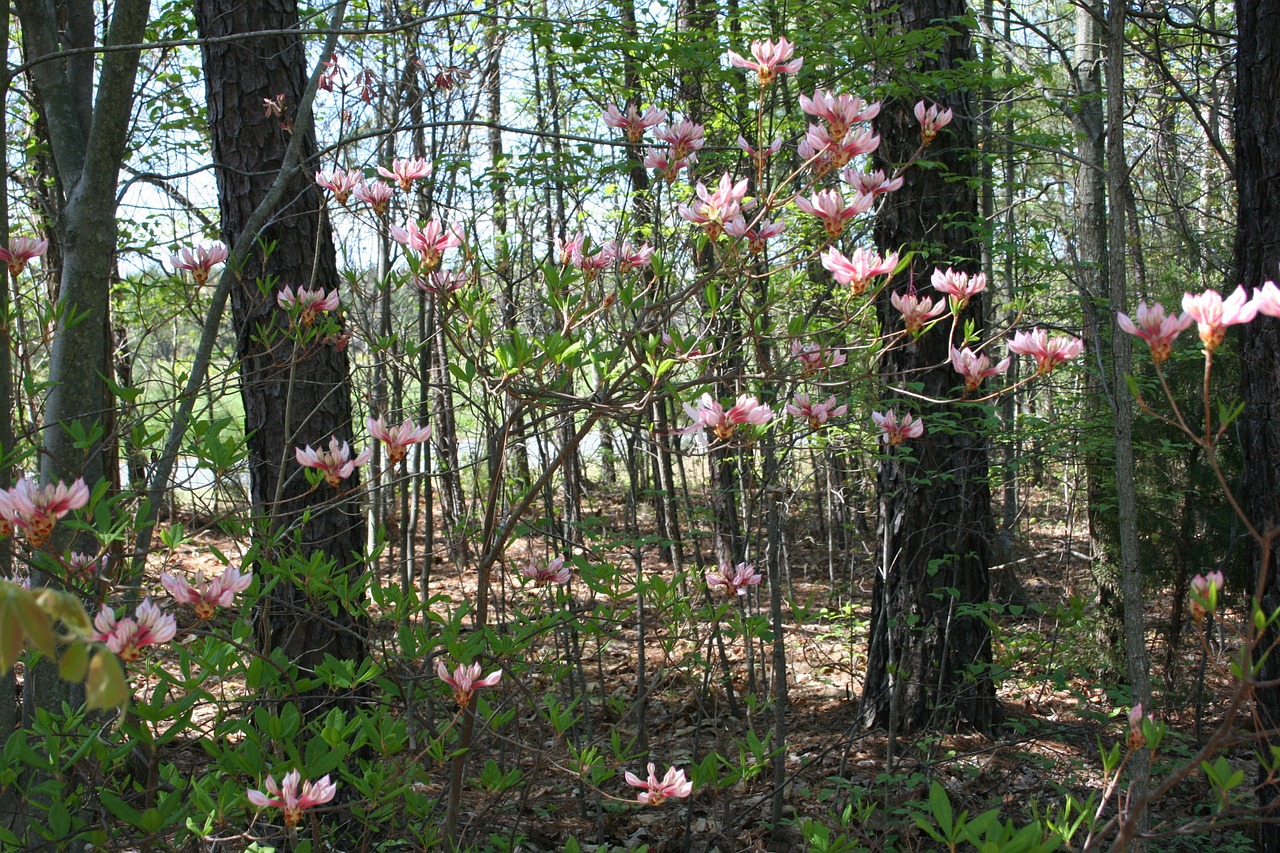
(929, 659)
(295, 390)
(1257, 255)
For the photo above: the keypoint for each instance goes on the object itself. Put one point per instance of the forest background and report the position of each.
(766, 472)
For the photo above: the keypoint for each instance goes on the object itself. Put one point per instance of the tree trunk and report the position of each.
(295, 390)
(1257, 115)
(930, 656)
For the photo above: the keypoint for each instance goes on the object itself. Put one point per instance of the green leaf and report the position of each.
(940, 805)
(105, 686)
(74, 662)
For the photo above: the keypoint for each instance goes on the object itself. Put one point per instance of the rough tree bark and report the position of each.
(295, 393)
(929, 659)
(1257, 115)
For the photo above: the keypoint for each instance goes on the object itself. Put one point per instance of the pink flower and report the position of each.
(405, 172)
(630, 258)
(429, 242)
(36, 511)
(1048, 352)
(466, 680)
(840, 112)
(336, 462)
(398, 438)
(441, 282)
(711, 415)
(286, 795)
(83, 565)
(716, 208)
(931, 121)
(376, 194)
(1204, 594)
(127, 637)
(959, 286)
(975, 367)
(1156, 329)
(857, 271)
(771, 59)
(759, 158)
(826, 153)
(592, 264)
(686, 139)
(633, 124)
(757, 237)
(199, 260)
(1213, 314)
(20, 252)
(667, 167)
(829, 206)
(816, 413)
(871, 183)
(543, 574)
(735, 580)
(340, 182)
(893, 431)
(206, 596)
(917, 311)
(1267, 299)
(673, 785)
(306, 304)
(815, 357)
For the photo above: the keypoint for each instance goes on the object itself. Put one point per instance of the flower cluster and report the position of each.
(733, 580)
(293, 795)
(713, 210)
(1204, 594)
(1048, 352)
(398, 438)
(975, 367)
(336, 463)
(35, 511)
(816, 413)
(770, 59)
(199, 260)
(859, 269)
(466, 680)
(127, 637)
(206, 596)
(710, 414)
(305, 304)
(20, 252)
(894, 431)
(655, 791)
(815, 358)
(428, 242)
(544, 574)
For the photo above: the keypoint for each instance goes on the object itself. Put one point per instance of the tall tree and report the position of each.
(930, 654)
(1257, 114)
(295, 386)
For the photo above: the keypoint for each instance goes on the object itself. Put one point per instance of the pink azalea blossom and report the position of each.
(771, 59)
(830, 207)
(430, 242)
(1048, 352)
(894, 431)
(206, 596)
(857, 271)
(83, 565)
(814, 357)
(35, 511)
(931, 121)
(686, 139)
(336, 462)
(630, 258)
(758, 236)
(128, 636)
(1213, 314)
(376, 194)
(441, 282)
(20, 252)
(199, 260)
(1267, 299)
(975, 367)
(543, 574)
(1204, 594)
(711, 415)
(466, 680)
(816, 413)
(405, 172)
(667, 167)
(1137, 738)
(1158, 330)
(759, 158)
(340, 182)
(840, 112)
(733, 580)
(917, 311)
(287, 796)
(826, 153)
(959, 286)
(871, 183)
(307, 303)
(714, 209)
(655, 792)
(398, 438)
(633, 124)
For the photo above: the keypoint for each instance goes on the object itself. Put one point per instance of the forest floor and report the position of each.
(1060, 707)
